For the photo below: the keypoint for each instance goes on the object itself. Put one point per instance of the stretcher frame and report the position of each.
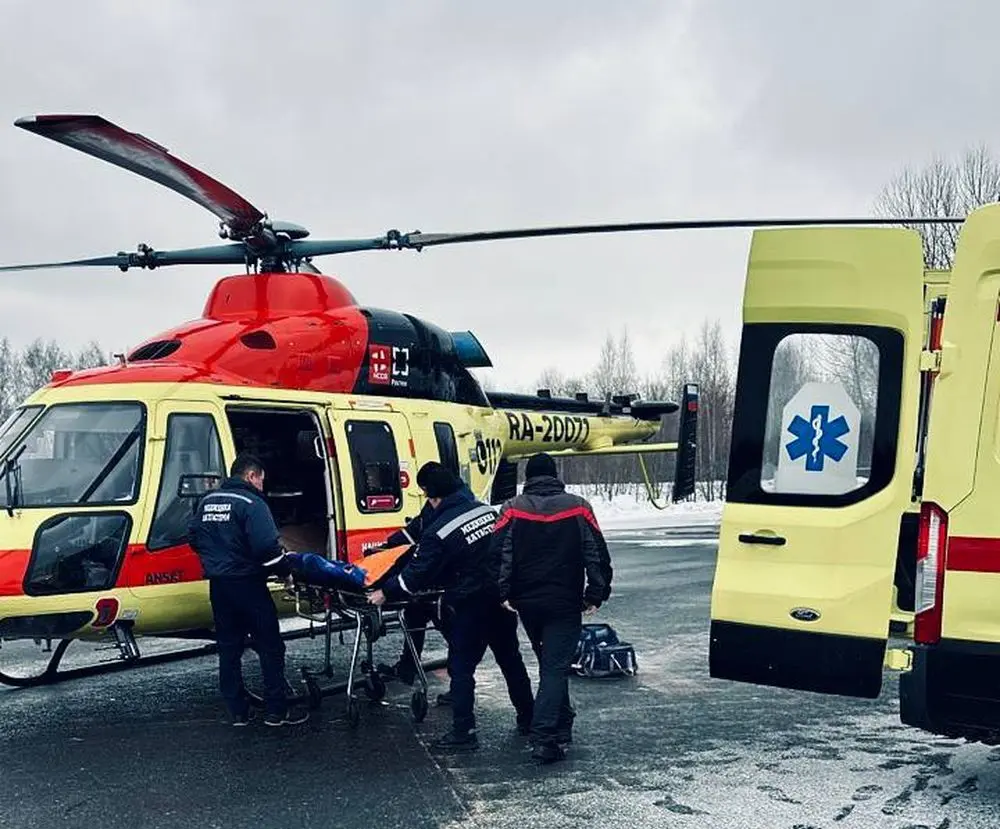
(344, 610)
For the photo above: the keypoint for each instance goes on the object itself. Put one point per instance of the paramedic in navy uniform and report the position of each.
(417, 617)
(453, 554)
(234, 534)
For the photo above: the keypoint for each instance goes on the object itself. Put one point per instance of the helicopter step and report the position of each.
(125, 644)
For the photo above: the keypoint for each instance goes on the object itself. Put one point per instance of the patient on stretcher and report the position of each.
(319, 571)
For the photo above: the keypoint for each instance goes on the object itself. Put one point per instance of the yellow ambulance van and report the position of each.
(863, 492)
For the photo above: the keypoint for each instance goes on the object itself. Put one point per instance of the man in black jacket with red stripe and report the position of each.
(553, 567)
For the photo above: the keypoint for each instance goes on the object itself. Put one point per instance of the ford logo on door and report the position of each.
(804, 614)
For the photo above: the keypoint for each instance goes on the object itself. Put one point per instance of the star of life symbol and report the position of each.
(818, 438)
(822, 456)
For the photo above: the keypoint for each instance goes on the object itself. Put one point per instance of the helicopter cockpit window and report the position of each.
(77, 553)
(77, 453)
(16, 423)
(193, 447)
(375, 464)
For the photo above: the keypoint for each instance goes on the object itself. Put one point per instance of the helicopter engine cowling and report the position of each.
(303, 331)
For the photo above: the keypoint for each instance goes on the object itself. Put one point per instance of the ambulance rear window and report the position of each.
(817, 412)
(375, 464)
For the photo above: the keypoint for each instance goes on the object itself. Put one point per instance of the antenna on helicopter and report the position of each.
(274, 246)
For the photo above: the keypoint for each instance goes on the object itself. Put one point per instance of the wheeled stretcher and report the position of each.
(335, 596)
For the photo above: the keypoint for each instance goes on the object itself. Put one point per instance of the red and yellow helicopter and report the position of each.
(99, 470)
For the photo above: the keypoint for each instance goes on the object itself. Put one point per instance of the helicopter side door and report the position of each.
(376, 462)
(188, 437)
(822, 459)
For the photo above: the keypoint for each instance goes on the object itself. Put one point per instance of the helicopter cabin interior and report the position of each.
(297, 488)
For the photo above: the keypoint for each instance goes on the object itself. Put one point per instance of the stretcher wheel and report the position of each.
(418, 706)
(353, 713)
(375, 687)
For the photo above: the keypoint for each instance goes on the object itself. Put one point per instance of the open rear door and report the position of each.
(822, 460)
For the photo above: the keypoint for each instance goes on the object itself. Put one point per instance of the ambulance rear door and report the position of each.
(822, 459)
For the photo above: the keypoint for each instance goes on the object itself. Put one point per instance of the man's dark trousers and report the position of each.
(243, 606)
(554, 639)
(475, 626)
(416, 618)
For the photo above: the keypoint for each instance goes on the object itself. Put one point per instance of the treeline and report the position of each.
(24, 370)
(709, 359)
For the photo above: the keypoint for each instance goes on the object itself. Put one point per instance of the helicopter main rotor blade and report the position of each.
(98, 137)
(146, 257)
(420, 240)
(328, 247)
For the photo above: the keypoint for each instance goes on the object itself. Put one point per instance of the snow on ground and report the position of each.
(632, 510)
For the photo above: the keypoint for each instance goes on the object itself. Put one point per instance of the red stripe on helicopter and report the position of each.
(13, 565)
(173, 565)
(973, 555)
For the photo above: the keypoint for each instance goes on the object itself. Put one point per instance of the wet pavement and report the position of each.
(668, 748)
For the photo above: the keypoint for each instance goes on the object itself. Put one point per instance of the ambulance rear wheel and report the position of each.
(418, 706)
(353, 713)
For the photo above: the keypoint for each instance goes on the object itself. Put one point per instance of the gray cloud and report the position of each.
(354, 118)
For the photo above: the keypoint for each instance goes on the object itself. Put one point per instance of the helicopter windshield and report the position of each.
(80, 453)
(12, 427)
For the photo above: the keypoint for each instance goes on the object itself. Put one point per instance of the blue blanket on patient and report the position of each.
(320, 571)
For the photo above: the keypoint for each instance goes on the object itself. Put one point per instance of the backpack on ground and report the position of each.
(600, 653)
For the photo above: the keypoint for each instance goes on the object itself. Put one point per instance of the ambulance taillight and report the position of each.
(932, 542)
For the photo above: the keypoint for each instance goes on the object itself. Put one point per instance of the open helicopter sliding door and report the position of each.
(822, 459)
(377, 467)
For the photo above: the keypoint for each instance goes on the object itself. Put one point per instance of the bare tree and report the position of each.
(941, 188)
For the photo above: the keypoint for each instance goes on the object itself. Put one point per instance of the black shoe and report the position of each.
(548, 753)
(243, 719)
(457, 742)
(407, 675)
(444, 699)
(291, 717)
(564, 738)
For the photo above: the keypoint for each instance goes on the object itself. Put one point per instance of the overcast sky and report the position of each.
(353, 118)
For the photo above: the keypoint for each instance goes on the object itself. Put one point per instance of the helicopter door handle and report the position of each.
(760, 538)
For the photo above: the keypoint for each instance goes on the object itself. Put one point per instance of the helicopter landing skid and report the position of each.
(129, 656)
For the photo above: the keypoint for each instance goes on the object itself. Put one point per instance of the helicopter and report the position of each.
(101, 468)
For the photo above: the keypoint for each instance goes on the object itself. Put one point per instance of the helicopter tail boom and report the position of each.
(552, 425)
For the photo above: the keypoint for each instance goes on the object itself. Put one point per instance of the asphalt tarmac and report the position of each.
(668, 748)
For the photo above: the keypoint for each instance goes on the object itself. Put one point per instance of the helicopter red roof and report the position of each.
(282, 330)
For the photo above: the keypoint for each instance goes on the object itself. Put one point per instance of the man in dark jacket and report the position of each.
(417, 618)
(234, 534)
(453, 554)
(553, 567)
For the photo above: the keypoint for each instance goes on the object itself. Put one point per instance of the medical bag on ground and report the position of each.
(600, 653)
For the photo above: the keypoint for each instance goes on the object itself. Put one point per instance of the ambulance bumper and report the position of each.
(952, 689)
